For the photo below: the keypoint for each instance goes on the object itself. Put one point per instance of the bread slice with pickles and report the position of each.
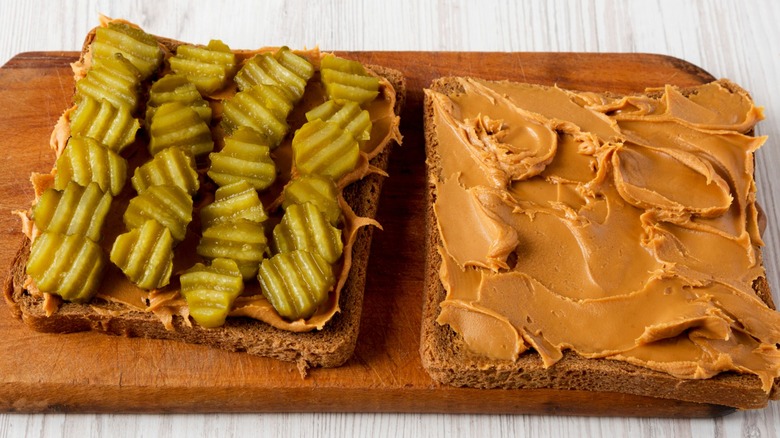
(211, 196)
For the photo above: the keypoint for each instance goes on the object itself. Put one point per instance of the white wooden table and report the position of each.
(733, 39)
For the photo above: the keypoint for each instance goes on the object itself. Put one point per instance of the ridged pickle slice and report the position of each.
(211, 290)
(145, 255)
(240, 240)
(304, 226)
(176, 88)
(210, 68)
(112, 126)
(296, 283)
(177, 125)
(348, 80)
(245, 157)
(260, 107)
(69, 266)
(323, 148)
(231, 202)
(318, 190)
(348, 115)
(284, 69)
(171, 166)
(73, 210)
(85, 160)
(137, 46)
(168, 205)
(115, 79)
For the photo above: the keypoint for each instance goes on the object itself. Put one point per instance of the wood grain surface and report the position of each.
(98, 373)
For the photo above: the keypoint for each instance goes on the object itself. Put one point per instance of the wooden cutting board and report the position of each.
(90, 372)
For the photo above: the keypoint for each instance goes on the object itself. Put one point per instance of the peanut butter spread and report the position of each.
(616, 227)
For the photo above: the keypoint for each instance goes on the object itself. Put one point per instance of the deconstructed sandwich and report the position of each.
(210, 196)
(597, 242)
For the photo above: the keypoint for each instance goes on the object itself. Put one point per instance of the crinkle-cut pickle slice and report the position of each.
(145, 255)
(177, 125)
(115, 79)
(67, 265)
(168, 205)
(171, 166)
(284, 69)
(304, 226)
(245, 157)
(211, 290)
(318, 190)
(241, 240)
(137, 46)
(176, 88)
(112, 126)
(323, 148)
(210, 68)
(347, 80)
(296, 283)
(231, 202)
(73, 210)
(262, 108)
(84, 160)
(347, 114)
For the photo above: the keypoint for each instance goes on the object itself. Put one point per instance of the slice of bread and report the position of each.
(448, 359)
(328, 347)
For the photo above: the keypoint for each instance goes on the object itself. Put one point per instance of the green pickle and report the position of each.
(66, 265)
(85, 160)
(348, 115)
(171, 166)
(244, 157)
(112, 126)
(347, 80)
(73, 210)
(176, 88)
(135, 45)
(324, 148)
(210, 68)
(305, 227)
(283, 69)
(145, 255)
(296, 283)
(211, 290)
(318, 190)
(240, 240)
(231, 202)
(177, 125)
(262, 108)
(168, 205)
(115, 80)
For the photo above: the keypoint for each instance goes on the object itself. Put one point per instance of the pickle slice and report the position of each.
(135, 45)
(244, 157)
(175, 124)
(171, 166)
(115, 80)
(347, 114)
(210, 68)
(112, 126)
(211, 290)
(234, 201)
(84, 160)
(176, 88)
(283, 69)
(168, 205)
(73, 210)
(241, 240)
(347, 80)
(69, 266)
(303, 226)
(296, 283)
(145, 255)
(318, 190)
(262, 108)
(324, 148)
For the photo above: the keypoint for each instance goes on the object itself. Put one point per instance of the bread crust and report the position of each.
(447, 359)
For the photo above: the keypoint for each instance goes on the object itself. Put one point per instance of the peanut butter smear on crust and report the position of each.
(617, 227)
